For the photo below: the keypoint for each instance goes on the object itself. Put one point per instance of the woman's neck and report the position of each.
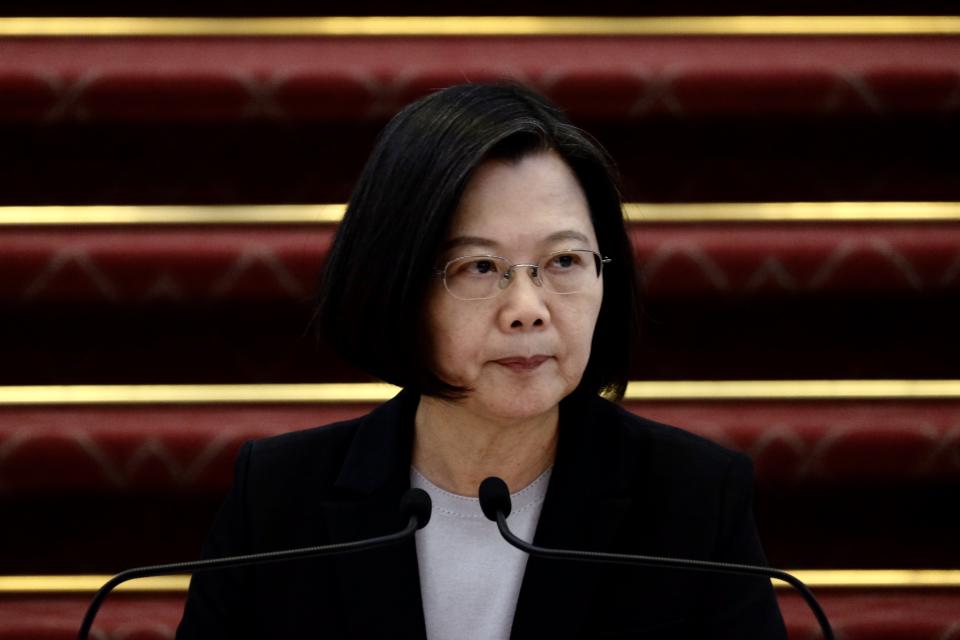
(457, 449)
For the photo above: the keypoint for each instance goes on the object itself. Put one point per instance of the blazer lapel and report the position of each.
(380, 589)
(584, 506)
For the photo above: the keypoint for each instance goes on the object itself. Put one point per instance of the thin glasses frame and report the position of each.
(534, 270)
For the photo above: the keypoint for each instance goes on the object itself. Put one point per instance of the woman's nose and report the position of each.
(523, 305)
(511, 274)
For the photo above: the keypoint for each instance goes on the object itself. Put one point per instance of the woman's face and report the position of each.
(524, 350)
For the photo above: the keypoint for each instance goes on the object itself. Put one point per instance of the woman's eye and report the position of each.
(478, 267)
(565, 260)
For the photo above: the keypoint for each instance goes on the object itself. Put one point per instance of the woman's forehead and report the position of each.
(571, 237)
(536, 199)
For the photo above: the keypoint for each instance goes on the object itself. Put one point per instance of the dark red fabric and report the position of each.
(176, 79)
(138, 264)
(188, 264)
(756, 259)
(881, 615)
(824, 442)
(854, 615)
(123, 616)
(191, 449)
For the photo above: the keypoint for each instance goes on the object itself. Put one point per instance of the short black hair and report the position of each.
(371, 299)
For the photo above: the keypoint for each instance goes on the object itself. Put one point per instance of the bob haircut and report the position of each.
(371, 300)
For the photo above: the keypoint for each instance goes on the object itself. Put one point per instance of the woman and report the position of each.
(483, 266)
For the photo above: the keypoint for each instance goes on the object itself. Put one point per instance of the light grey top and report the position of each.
(469, 576)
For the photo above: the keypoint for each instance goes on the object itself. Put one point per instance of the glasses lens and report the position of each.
(569, 271)
(474, 277)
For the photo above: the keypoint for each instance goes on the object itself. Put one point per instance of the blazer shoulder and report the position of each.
(308, 442)
(298, 459)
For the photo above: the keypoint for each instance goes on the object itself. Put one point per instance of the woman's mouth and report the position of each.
(522, 364)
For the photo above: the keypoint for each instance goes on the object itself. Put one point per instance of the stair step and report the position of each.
(188, 264)
(873, 299)
(892, 337)
(854, 615)
(137, 447)
(665, 159)
(849, 483)
(204, 79)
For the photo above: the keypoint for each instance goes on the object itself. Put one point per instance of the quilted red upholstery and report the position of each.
(854, 615)
(146, 79)
(189, 265)
(128, 449)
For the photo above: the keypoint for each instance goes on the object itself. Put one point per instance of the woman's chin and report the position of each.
(511, 403)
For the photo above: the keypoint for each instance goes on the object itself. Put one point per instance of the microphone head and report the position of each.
(494, 498)
(416, 502)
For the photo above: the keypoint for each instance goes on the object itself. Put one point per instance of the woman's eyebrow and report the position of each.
(460, 241)
(568, 234)
(477, 241)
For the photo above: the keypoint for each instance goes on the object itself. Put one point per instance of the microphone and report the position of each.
(495, 503)
(414, 505)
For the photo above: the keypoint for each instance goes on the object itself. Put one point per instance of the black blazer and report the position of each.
(620, 483)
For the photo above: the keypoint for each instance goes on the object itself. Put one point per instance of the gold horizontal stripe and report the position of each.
(171, 215)
(196, 394)
(482, 26)
(878, 577)
(792, 389)
(378, 392)
(641, 213)
(89, 584)
(833, 578)
(635, 213)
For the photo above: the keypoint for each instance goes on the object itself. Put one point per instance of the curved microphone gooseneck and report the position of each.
(495, 503)
(415, 504)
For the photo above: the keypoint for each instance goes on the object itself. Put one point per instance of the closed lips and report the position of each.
(523, 363)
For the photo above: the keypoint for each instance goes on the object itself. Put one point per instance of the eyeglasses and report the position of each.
(482, 277)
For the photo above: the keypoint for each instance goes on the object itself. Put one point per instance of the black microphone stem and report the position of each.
(675, 563)
(237, 561)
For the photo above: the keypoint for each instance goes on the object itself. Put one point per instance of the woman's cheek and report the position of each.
(457, 357)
